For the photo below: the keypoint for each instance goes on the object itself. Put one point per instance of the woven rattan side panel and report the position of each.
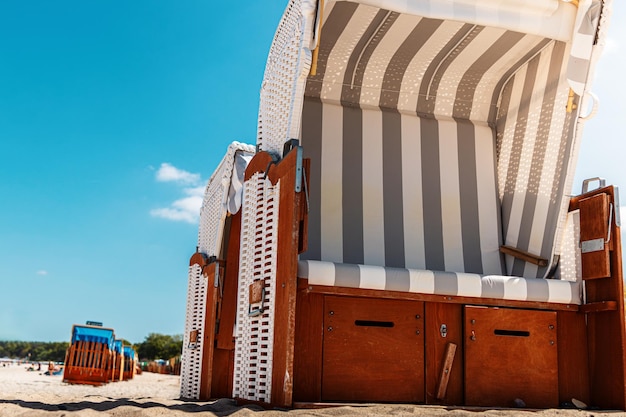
(191, 365)
(288, 64)
(255, 329)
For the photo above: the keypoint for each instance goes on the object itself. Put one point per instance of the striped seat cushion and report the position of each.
(439, 283)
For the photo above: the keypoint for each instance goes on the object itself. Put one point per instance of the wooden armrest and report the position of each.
(523, 255)
(598, 307)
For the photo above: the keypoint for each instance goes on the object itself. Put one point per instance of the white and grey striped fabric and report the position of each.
(235, 191)
(440, 283)
(433, 142)
(548, 18)
(583, 43)
(390, 189)
(535, 148)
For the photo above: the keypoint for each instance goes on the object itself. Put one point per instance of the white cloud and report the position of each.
(42, 272)
(174, 214)
(195, 191)
(169, 173)
(185, 209)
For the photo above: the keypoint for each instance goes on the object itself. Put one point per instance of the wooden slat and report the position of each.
(307, 372)
(446, 370)
(228, 315)
(208, 333)
(286, 282)
(523, 255)
(220, 377)
(594, 218)
(90, 355)
(573, 357)
(599, 307)
(303, 240)
(401, 295)
(450, 315)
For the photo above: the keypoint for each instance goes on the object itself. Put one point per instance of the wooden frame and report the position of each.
(291, 215)
(606, 331)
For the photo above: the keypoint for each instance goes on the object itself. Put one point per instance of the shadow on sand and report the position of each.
(222, 407)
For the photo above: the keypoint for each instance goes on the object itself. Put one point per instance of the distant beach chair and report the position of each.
(130, 360)
(88, 358)
(116, 369)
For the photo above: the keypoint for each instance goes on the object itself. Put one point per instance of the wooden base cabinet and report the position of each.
(511, 357)
(364, 349)
(373, 350)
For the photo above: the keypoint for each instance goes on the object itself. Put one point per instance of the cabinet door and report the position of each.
(373, 350)
(510, 354)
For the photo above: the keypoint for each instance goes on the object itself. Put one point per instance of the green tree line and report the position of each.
(34, 351)
(159, 346)
(154, 346)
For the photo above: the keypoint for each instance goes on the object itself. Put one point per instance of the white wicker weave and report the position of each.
(288, 64)
(570, 268)
(212, 217)
(215, 204)
(254, 336)
(191, 364)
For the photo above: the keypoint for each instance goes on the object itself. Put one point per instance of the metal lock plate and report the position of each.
(593, 245)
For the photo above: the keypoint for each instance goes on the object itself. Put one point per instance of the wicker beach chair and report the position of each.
(218, 219)
(117, 361)
(130, 362)
(88, 359)
(407, 230)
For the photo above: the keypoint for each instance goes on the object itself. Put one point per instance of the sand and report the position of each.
(27, 394)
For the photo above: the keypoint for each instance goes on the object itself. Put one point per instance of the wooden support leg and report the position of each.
(445, 371)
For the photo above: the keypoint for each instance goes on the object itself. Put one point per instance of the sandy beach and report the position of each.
(27, 394)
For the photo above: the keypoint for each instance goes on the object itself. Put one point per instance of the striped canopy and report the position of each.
(463, 121)
(373, 57)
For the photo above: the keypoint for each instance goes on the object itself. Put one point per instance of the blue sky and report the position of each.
(113, 115)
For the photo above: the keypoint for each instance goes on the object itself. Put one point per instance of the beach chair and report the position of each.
(219, 219)
(407, 230)
(117, 361)
(130, 361)
(88, 359)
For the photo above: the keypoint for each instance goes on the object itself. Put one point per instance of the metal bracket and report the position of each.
(601, 183)
(299, 169)
(618, 219)
(216, 279)
(306, 191)
(592, 245)
(443, 330)
(289, 145)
